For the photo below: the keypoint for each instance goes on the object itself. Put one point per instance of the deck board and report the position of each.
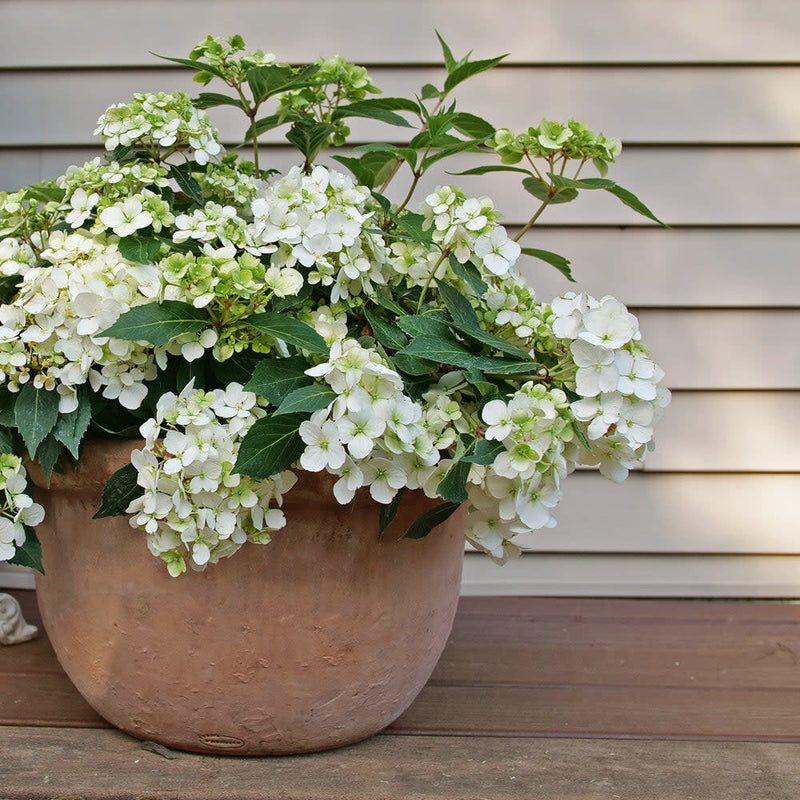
(533, 697)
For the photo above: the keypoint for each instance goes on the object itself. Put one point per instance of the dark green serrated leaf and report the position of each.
(288, 329)
(309, 137)
(411, 365)
(370, 169)
(373, 109)
(120, 490)
(214, 99)
(385, 299)
(71, 428)
(541, 191)
(387, 333)
(453, 486)
(470, 274)
(199, 66)
(459, 308)
(492, 168)
(272, 79)
(48, 454)
(157, 323)
(6, 441)
(449, 61)
(425, 324)
(7, 402)
(188, 185)
(446, 151)
(270, 446)
(481, 383)
(426, 522)
(239, 368)
(275, 378)
(29, 554)
(472, 126)
(9, 286)
(139, 249)
(388, 512)
(306, 399)
(485, 452)
(35, 415)
(554, 259)
(626, 197)
(464, 71)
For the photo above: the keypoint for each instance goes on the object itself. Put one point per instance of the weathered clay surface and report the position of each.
(318, 639)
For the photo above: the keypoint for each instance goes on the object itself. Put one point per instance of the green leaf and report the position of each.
(541, 191)
(425, 324)
(271, 79)
(35, 415)
(470, 274)
(372, 168)
(214, 99)
(444, 349)
(7, 401)
(411, 365)
(289, 329)
(554, 259)
(449, 61)
(446, 151)
(270, 446)
(374, 109)
(239, 368)
(139, 249)
(290, 301)
(43, 193)
(387, 333)
(9, 286)
(275, 378)
(6, 441)
(485, 452)
(628, 198)
(430, 519)
(118, 493)
(388, 512)
(472, 126)
(188, 185)
(157, 323)
(429, 92)
(412, 225)
(309, 137)
(199, 66)
(30, 553)
(385, 299)
(458, 306)
(453, 486)
(71, 428)
(266, 124)
(464, 71)
(491, 168)
(306, 398)
(47, 455)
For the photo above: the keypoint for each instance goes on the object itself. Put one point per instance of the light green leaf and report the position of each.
(430, 519)
(381, 109)
(429, 92)
(449, 60)
(199, 66)
(464, 71)
(554, 259)
(306, 399)
(118, 493)
(486, 168)
(35, 415)
(275, 378)
(157, 323)
(272, 445)
(271, 79)
(214, 99)
(289, 329)
(472, 126)
(541, 191)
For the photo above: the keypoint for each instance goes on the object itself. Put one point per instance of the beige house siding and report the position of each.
(704, 96)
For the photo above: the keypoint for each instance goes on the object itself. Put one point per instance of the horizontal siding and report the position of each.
(683, 186)
(99, 32)
(599, 575)
(740, 105)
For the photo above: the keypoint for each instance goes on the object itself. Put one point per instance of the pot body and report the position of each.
(318, 639)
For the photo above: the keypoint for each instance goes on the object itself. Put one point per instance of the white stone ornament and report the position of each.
(13, 628)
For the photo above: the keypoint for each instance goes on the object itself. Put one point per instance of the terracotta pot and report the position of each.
(318, 639)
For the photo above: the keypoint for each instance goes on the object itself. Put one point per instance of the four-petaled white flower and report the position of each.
(127, 217)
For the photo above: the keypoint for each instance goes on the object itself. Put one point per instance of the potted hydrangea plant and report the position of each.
(339, 353)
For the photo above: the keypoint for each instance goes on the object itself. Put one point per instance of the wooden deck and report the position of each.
(534, 698)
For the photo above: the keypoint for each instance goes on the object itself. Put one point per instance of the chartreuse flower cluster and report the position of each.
(251, 327)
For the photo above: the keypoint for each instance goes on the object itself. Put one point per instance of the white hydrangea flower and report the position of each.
(17, 508)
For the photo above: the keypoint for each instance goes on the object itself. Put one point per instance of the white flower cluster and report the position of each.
(50, 331)
(194, 507)
(467, 227)
(16, 257)
(317, 221)
(371, 434)
(17, 508)
(615, 377)
(518, 492)
(163, 121)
